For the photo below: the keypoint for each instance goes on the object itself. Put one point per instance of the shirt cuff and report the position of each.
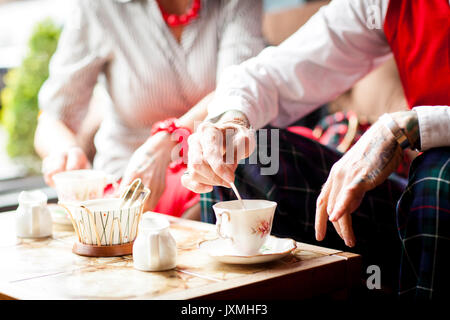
(434, 124)
(220, 105)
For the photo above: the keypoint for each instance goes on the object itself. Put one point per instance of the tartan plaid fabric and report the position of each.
(423, 215)
(303, 168)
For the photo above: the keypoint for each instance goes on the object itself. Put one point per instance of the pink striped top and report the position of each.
(148, 75)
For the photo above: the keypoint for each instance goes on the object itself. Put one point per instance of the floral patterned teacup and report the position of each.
(246, 229)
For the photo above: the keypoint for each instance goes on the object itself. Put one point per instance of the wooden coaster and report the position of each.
(102, 251)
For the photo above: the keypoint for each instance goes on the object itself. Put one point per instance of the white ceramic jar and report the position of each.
(154, 248)
(33, 218)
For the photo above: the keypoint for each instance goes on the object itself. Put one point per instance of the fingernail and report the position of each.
(334, 215)
(319, 236)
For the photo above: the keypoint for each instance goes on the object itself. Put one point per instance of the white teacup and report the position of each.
(154, 248)
(248, 228)
(80, 185)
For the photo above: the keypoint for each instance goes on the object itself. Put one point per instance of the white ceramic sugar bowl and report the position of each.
(154, 248)
(33, 218)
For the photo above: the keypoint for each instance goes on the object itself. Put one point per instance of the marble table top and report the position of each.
(47, 269)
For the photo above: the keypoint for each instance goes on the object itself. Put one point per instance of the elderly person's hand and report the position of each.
(149, 163)
(215, 150)
(366, 165)
(72, 158)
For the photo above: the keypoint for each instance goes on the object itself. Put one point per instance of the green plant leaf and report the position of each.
(20, 96)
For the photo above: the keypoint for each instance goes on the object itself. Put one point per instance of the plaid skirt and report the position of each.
(423, 218)
(384, 235)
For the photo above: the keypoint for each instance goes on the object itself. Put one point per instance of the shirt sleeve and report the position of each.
(240, 36)
(333, 50)
(434, 126)
(74, 67)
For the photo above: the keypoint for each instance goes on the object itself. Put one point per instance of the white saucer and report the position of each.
(274, 248)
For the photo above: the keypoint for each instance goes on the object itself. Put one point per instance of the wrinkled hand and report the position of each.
(149, 163)
(73, 158)
(215, 150)
(366, 165)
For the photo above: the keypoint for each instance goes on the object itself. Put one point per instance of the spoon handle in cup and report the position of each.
(236, 192)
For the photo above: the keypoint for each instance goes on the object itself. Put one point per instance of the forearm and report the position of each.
(197, 113)
(52, 135)
(189, 120)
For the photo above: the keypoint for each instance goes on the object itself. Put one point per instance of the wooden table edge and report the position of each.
(354, 266)
(210, 290)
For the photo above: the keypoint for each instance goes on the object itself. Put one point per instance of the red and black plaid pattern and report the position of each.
(424, 227)
(335, 126)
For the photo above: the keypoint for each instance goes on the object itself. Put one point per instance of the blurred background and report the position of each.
(29, 31)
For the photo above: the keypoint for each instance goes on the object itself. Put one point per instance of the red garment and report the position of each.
(176, 198)
(418, 32)
(303, 131)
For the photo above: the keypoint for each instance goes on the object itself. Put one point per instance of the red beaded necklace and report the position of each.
(174, 20)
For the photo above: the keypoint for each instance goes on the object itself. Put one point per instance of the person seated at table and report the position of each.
(314, 184)
(160, 59)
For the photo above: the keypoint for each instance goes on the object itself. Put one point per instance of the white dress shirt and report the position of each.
(149, 75)
(338, 46)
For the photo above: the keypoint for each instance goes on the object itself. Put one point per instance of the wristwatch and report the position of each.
(398, 133)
